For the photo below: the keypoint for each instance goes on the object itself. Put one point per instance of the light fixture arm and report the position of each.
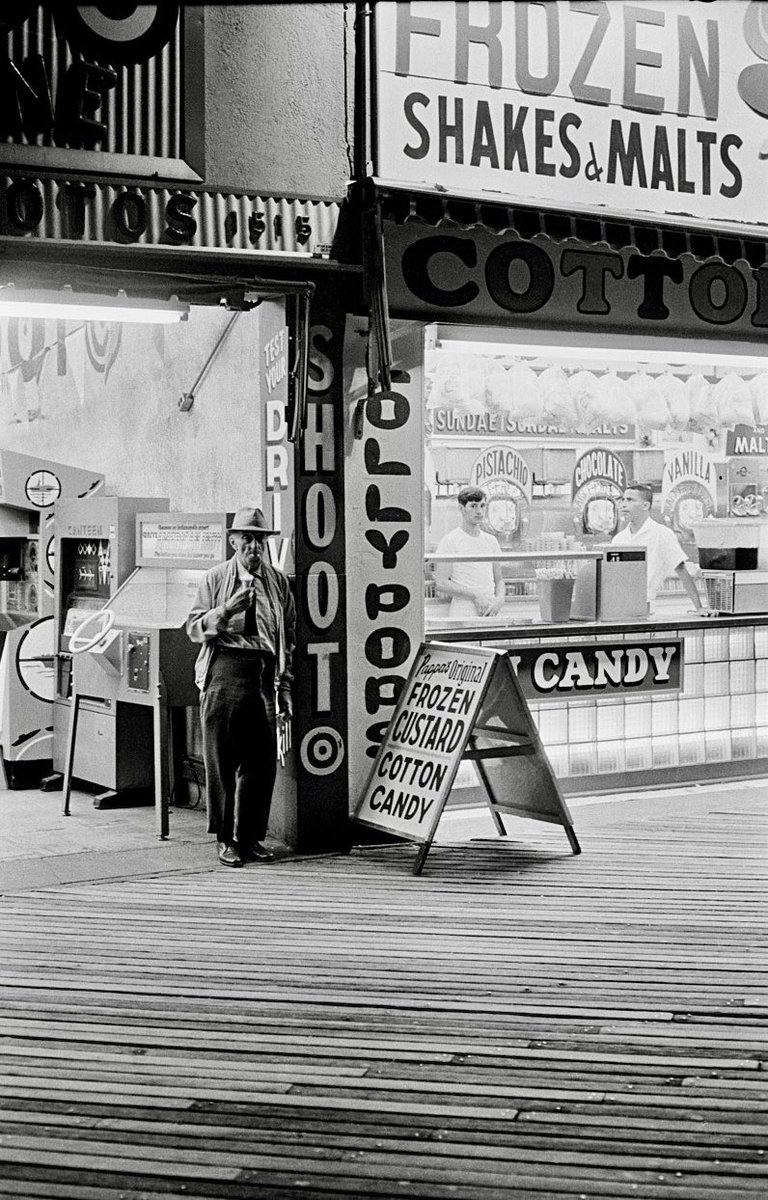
(187, 399)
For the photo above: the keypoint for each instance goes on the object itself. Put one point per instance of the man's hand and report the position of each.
(238, 603)
(495, 607)
(284, 705)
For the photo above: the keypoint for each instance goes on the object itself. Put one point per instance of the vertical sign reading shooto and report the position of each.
(417, 761)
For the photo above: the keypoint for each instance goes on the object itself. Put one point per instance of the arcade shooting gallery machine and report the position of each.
(29, 489)
(129, 664)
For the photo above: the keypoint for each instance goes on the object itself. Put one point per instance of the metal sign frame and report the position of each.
(488, 724)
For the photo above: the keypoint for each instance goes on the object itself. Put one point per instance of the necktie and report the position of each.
(249, 628)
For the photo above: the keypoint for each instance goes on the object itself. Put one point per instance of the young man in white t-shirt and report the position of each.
(664, 555)
(476, 588)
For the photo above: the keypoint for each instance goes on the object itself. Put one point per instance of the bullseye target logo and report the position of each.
(42, 488)
(322, 750)
(102, 343)
(118, 32)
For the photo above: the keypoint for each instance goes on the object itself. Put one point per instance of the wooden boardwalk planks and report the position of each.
(517, 1022)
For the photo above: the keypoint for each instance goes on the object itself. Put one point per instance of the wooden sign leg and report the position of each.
(500, 828)
(421, 858)
(571, 835)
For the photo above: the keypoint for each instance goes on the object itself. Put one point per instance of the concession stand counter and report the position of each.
(622, 693)
(562, 302)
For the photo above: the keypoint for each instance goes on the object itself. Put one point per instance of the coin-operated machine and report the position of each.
(133, 663)
(95, 552)
(733, 544)
(733, 555)
(29, 487)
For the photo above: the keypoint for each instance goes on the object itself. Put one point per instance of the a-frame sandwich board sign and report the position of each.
(459, 702)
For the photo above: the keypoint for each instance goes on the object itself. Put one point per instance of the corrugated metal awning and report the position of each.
(431, 208)
(83, 211)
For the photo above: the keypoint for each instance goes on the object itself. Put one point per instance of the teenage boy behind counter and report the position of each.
(476, 589)
(664, 554)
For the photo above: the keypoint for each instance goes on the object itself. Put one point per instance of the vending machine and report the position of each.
(733, 544)
(133, 663)
(29, 489)
(95, 552)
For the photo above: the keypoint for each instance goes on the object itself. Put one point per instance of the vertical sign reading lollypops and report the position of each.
(418, 758)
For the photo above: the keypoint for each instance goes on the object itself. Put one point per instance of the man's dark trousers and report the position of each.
(238, 717)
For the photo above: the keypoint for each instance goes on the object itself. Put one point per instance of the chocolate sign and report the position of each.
(599, 480)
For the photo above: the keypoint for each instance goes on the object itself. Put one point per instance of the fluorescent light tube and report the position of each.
(68, 305)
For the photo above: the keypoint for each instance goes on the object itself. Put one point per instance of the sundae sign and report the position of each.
(657, 108)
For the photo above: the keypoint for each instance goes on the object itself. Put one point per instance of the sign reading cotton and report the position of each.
(417, 760)
(658, 108)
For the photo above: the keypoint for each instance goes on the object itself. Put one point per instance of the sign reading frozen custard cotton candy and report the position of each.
(417, 761)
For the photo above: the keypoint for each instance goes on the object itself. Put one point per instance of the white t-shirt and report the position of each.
(663, 552)
(478, 576)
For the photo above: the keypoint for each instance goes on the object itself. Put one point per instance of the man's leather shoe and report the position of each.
(228, 855)
(257, 853)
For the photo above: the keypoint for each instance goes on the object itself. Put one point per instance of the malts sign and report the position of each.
(658, 108)
(555, 672)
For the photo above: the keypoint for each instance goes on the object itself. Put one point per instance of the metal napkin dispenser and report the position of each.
(613, 587)
(622, 584)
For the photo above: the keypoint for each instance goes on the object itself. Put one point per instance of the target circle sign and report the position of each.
(42, 488)
(119, 32)
(34, 660)
(322, 750)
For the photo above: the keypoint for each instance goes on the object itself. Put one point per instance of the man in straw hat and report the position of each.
(244, 617)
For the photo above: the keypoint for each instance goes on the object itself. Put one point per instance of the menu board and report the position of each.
(417, 761)
(180, 540)
(459, 701)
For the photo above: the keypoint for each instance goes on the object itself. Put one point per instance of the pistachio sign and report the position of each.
(458, 701)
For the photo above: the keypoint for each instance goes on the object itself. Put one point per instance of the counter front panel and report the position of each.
(710, 721)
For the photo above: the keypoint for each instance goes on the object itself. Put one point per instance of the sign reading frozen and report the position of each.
(658, 108)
